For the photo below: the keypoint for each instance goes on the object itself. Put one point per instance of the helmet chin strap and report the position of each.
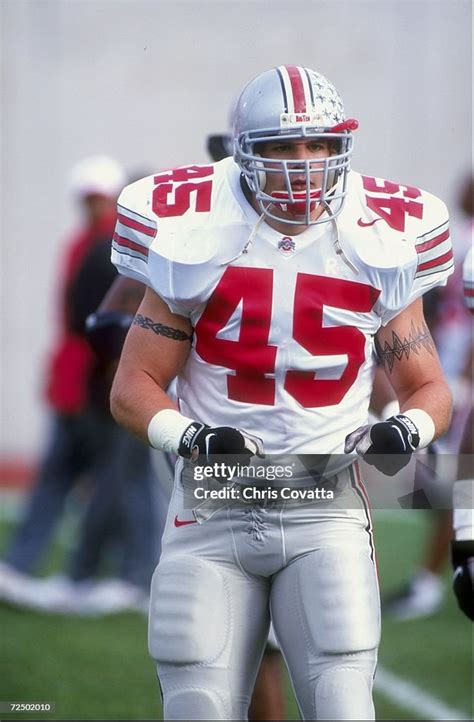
(296, 207)
(300, 200)
(337, 244)
(250, 240)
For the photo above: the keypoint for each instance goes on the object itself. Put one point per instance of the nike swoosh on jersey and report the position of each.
(178, 523)
(362, 224)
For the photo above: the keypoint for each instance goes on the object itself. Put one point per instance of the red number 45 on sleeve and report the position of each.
(390, 207)
(181, 183)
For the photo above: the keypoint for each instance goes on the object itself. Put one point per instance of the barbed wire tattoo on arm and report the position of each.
(419, 340)
(160, 329)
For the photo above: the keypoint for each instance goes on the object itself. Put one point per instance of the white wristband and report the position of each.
(166, 429)
(390, 409)
(424, 423)
(463, 514)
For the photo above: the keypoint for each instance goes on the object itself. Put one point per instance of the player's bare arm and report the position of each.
(408, 354)
(124, 295)
(155, 350)
(409, 358)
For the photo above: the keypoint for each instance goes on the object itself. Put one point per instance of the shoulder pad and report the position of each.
(400, 234)
(178, 219)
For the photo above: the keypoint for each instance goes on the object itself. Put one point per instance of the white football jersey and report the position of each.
(284, 325)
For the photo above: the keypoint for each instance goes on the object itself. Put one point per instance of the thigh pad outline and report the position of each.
(189, 612)
(334, 596)
(344, 584)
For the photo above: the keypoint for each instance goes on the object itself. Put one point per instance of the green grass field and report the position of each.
(99, 668)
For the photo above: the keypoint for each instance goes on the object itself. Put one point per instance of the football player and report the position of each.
(271, 277)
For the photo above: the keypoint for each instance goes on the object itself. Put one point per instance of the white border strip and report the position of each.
(408, 696)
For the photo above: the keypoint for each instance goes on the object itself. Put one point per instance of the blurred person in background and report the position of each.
(84, 443)
(451, 327)
(462, 545)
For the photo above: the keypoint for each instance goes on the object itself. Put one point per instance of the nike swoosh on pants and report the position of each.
(178, 523)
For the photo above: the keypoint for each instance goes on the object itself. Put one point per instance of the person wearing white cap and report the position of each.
(96, 175)
(83, 438)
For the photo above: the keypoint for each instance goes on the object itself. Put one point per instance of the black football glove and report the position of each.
(219, 444)
(462, 557)
(387, 445)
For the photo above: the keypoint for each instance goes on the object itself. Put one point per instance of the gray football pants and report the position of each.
(312, 568)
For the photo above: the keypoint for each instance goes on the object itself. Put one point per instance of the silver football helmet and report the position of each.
(292, 102)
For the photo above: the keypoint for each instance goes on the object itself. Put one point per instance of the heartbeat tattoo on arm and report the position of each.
(419, 340)
(173, 333)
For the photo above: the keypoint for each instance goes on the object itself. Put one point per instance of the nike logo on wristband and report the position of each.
(178, 522)
(189, 435)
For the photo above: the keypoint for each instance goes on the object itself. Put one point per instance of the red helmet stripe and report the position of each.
(297, 88)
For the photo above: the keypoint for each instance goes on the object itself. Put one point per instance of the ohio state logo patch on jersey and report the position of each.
(286, 245)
